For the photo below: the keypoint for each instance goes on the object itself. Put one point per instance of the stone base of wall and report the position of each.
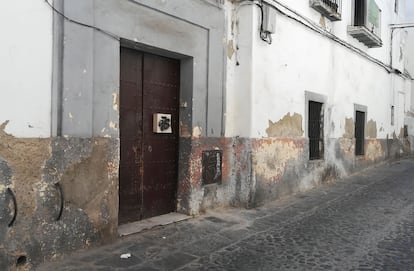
(256, 171)
(40, 174)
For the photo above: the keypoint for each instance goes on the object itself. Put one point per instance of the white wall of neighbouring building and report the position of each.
(409, 45)
(26, 67)
(273, 78)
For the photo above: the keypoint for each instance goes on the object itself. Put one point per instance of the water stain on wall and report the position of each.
(349, 128)
(288, 126)
(271, 157)
(26, 156)
(230, 49)
(87, 171)
(88, 186)
(322, 22)
(371, 129)
(374, 150)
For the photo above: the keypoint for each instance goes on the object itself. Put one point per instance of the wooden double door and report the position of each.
(149, 85)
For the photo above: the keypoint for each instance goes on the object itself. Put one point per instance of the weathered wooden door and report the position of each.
(148, 169)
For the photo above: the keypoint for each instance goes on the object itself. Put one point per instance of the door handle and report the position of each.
(62, 200)
(14, 205)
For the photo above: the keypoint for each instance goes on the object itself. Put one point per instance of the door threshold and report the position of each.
(149, 223)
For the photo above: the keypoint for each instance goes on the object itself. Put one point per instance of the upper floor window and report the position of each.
(332, 9)
(366, 25)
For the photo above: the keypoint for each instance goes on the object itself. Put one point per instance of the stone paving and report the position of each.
(363, 222)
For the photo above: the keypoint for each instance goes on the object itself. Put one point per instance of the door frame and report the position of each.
(185, 105)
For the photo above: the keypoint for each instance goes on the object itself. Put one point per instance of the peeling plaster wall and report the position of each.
(256, 171)
(320, 66)
(266, 89)
(26, 67)
(288, 126)
(302, 60)
(265, 147)
(239, 83)
(87, 171)
(409, 64)
(84, 163)
(329, 70)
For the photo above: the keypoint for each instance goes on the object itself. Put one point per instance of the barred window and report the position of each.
(315, 130)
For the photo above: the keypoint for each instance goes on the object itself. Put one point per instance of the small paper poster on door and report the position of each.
(162, 123)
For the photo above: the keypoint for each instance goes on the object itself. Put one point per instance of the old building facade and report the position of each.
(119, 110)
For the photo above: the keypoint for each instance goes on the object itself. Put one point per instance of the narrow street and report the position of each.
(363, 222)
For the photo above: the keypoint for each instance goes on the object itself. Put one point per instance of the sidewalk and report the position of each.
(324, 228)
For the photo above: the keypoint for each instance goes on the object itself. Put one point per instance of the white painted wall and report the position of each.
(409, 45)
(26, 67)
(239, 71)
(409, 61)
(409, 48)
(301, 60)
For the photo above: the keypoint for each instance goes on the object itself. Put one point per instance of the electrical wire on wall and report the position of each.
(264, 35)
(306, 22)
(235, 30)
(316, 28)
(107, 33)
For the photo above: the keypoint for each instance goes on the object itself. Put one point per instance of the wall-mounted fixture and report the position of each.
(269, 19)
(331, 9)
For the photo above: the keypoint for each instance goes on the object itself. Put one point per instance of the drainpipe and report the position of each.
(57, 70)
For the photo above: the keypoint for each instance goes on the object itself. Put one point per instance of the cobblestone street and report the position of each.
(363, 222)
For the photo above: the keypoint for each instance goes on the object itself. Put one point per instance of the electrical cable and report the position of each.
(314, 27)
(235, 24)
(327, 34)
(107, 33)
(264, 35)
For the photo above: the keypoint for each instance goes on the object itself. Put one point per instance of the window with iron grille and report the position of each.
(359, 132)
(360, 12)
(368, 14)
(332, 9)
(315, 130)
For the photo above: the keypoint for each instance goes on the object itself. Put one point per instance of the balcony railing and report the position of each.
(332, 9)
(367, 23)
